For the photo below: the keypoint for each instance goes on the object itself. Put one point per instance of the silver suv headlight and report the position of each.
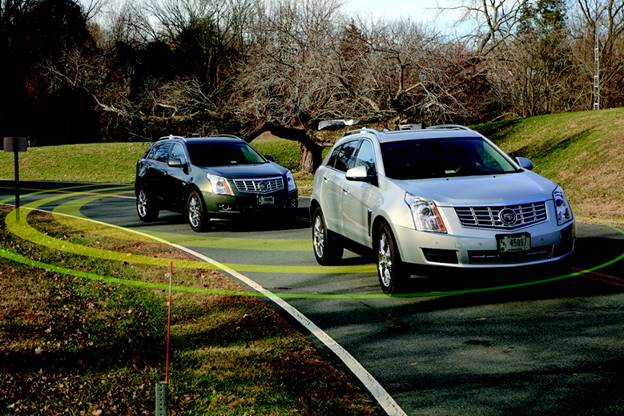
(219, 185)
(425, 214)
(562, 207)
(291, 181)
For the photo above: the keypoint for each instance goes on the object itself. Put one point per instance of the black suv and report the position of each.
(210, 177)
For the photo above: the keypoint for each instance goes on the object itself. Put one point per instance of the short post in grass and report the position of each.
(162, 387)
(16, 145)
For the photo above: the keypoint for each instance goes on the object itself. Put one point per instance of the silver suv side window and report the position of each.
(366, 157)
(344, 158)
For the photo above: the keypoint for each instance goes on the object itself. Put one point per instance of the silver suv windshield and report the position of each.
(442, 158)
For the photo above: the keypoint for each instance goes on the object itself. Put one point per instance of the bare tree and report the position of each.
(291, 80)
(495, 19)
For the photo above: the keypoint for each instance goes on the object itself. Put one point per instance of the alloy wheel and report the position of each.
(384, 263)
(319, 236)
(194, 211)
(142, 203)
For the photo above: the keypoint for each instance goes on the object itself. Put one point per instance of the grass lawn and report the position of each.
(77, 346)
(96, 162)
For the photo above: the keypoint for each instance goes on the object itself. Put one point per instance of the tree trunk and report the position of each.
(311, 157)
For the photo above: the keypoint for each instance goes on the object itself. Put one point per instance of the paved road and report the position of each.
(548, 349)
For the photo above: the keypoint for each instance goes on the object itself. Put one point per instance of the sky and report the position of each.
(425, 12)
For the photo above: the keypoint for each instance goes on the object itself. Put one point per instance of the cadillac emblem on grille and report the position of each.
(507, 216)
(262, 186)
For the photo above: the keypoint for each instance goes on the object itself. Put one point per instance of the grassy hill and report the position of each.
(96, 162)
(583, 151)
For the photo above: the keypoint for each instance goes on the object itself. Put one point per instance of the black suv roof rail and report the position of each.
(231, 136)
(449, 127)
(171, 136)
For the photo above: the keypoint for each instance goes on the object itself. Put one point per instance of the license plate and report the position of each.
(266, 200)
(510, 243)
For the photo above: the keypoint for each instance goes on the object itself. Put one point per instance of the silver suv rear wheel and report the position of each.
(327, 249)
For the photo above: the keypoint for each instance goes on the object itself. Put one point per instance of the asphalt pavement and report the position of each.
(515, 342)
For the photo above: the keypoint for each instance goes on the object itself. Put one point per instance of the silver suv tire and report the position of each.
(327, 249)
(390, 268)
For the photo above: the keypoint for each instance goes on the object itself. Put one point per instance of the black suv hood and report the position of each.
(263, 170)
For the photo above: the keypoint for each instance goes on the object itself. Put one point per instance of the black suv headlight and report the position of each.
(219, 185)
(290, 180)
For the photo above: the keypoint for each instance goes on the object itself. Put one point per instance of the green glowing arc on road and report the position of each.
(24, 230)
(92, 276)
(17, 258)
(73, 208)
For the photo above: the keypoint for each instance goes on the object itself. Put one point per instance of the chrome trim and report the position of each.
(259, 185)
(489, 216)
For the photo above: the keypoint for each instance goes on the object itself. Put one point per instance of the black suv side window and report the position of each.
(161, 153)
(345, 156)
(151, 152)
(177, 153)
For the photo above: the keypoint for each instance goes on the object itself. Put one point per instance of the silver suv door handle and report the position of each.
(346, 190)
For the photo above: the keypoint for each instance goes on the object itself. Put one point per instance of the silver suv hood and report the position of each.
(506, 189)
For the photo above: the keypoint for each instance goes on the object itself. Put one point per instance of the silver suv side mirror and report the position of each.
(360, 174)
(525, 163)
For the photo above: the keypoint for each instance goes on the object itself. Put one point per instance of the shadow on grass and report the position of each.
(551, 146)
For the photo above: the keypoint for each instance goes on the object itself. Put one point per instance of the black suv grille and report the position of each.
(259, 186)
(490, 217)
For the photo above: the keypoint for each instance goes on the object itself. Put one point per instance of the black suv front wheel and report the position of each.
(196, 212)
(146, 206)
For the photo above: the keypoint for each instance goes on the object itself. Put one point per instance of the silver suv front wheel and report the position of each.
(390, 268)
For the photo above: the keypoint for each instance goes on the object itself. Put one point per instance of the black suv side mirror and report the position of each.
(176, 163)
(270, 158)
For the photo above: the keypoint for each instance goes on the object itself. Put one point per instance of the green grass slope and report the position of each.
(285, 152)
(97, 162)
(582, 151)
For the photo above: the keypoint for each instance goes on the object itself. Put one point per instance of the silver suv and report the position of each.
(441, 196)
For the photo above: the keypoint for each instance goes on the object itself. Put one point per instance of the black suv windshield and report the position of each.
(442, 157)
(223, 153)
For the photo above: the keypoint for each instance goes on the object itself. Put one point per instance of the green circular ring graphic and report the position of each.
(20, 259)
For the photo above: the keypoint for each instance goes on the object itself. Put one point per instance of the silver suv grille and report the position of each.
(507, 217)
(259, 185)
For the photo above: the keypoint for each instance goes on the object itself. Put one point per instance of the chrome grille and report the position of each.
(259, 185)
(489, 217)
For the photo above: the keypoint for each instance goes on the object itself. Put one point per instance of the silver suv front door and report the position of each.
(360, 197)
